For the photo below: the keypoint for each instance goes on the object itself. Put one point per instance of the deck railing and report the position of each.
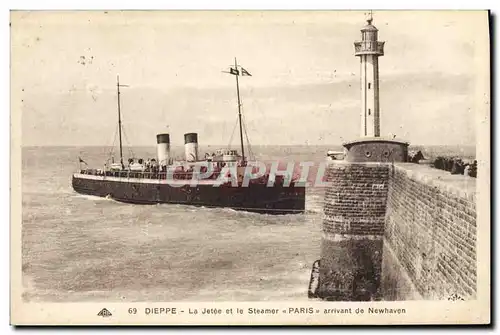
(151, 175)
(188, 176)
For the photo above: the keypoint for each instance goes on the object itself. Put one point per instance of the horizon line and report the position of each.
(222, 146)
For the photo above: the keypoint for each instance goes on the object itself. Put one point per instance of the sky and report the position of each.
(304, 88)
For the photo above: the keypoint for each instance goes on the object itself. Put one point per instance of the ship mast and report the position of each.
(239, 71)
(239, 110)
(120, 119)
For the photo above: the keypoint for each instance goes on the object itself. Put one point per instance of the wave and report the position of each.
(93, 197)
(314, 210)
(38, 190)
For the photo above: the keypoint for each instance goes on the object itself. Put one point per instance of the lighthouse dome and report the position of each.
(369, 27)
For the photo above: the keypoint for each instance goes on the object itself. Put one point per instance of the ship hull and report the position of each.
(255, 198)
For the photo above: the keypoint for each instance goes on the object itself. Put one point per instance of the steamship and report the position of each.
(220, 179)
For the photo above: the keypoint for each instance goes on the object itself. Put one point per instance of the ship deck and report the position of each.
(174, 178)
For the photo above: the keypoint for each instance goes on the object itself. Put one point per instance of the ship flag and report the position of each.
(234, 71)
(82, 161)
(245, 72)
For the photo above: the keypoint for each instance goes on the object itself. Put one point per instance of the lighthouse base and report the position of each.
(376, 149)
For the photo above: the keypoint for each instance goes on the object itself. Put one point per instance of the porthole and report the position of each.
(368, 154)
(386, 153)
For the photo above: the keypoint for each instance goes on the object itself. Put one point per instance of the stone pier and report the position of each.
(397, 231)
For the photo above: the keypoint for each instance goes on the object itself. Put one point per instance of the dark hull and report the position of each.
(254, 198)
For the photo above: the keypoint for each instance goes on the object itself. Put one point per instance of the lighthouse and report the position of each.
(370, 146)
(352, 245)
(369, 49)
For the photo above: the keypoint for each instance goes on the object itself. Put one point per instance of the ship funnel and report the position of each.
(191, 146)
(163, 149)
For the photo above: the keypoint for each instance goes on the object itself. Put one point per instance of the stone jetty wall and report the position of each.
(430, 234)
(397, 231)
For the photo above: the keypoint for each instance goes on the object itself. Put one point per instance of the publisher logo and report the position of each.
(104, 313)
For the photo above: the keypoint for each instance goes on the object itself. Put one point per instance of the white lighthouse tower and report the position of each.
(369, 49)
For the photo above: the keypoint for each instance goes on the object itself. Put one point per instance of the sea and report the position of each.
(78, 248)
